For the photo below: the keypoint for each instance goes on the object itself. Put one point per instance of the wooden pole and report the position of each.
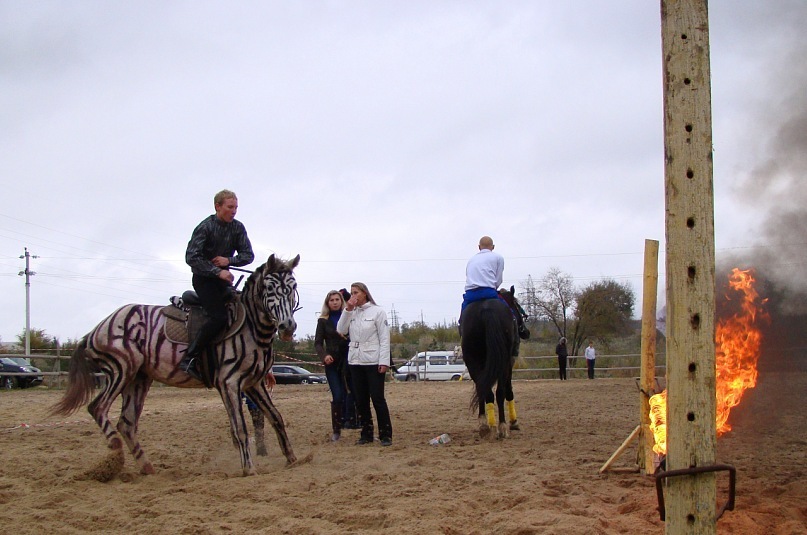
(647, 379)
(620, 449)
(691, 440)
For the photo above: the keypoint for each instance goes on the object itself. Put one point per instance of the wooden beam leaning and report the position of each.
(647, 379)
(690, 272)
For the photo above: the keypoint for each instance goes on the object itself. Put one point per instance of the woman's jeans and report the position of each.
(369, 384)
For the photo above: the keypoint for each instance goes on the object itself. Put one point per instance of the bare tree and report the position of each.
(552, 299)
(602, 309)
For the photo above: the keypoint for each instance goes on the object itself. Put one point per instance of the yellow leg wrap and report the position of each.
(490, 412)
(511, 410)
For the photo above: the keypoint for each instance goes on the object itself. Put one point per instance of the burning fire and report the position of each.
(737, 347)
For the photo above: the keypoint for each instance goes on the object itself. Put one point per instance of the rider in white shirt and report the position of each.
(483, 273)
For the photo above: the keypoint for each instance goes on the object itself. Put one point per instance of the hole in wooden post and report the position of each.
(691, 272)
(690, 173)
(687, 81)
(690, 222)
(688, 128)
(692, 367)
(683, 36)
(690, 519)
(695, 321)
(691, 416)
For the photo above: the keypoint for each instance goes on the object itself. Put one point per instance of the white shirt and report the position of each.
(369, 335)
(590, 353)
(485, 269)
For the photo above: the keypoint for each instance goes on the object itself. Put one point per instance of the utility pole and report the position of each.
(28, 274)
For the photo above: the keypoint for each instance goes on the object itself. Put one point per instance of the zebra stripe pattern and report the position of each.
(130, 349)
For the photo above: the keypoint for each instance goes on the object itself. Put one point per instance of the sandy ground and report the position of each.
(544, 479)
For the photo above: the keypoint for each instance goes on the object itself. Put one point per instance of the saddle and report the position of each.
(185, 316)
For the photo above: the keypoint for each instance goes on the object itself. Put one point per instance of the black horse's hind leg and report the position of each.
(500, 395)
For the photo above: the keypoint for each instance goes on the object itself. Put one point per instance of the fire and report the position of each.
(737, 347)
(658, 421)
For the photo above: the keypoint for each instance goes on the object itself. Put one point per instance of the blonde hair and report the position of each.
(363, 287)
(223, 195)
(326, 310)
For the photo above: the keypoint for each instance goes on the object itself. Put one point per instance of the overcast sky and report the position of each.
(378, 140)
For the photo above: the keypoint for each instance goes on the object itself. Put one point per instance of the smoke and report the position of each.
(775, 185)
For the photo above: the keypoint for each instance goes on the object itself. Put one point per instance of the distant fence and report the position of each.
(538, 367)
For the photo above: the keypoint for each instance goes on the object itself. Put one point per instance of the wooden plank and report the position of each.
(689, 196)
(620, 449)
(647, 379)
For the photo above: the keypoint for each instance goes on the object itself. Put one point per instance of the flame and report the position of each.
(737, 347)
(658, 421)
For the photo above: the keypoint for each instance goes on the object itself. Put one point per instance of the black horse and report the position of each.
(491, 330)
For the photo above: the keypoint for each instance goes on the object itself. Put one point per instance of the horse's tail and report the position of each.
(81, 382)
(497, 356)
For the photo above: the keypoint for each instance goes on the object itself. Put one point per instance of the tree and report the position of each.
(553, 299)
(39, 339)
(604, 309)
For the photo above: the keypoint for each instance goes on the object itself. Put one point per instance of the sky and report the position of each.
(378, 140)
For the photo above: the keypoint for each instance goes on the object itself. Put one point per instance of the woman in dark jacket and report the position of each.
(332, 349)
(562, 354)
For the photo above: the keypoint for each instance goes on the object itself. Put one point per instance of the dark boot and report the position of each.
(190, 361)
(367, 431)
(336, 421)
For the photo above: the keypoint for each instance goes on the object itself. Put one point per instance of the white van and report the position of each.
(433, 366)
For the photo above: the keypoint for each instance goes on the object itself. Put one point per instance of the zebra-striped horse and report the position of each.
(130, 348)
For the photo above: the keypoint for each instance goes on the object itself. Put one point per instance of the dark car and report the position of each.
(295, 375)
(18, 364)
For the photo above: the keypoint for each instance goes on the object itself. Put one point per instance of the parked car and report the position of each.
(433, 366)
(295, 375)
(18, 364)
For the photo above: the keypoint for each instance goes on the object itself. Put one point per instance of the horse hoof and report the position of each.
(262, 451)
(484, 431)
(502, 431)
(514, 426)
(147, 469)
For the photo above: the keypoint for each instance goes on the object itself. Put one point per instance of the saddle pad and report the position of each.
(175, 327)
(180, 326)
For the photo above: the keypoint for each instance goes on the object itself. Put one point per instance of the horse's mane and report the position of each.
(275, 264)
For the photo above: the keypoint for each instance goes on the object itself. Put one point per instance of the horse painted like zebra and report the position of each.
(131, 350)
(491, 330)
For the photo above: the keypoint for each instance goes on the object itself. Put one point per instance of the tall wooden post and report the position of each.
(647, 379)
(691, 434)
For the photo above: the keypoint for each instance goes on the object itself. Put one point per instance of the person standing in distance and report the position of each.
(211, 251)
(591, 356)
(365, 324)
(483, 274)
(563, 353)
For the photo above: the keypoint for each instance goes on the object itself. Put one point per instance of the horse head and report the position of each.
(278, 293)
(510, 298)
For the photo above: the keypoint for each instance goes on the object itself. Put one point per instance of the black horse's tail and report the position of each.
(497, 357)
(81, 382)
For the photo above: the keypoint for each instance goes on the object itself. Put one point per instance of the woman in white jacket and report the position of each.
(368, 358)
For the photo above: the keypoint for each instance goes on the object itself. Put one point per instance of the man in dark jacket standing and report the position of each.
(211, 251)
(562, 352)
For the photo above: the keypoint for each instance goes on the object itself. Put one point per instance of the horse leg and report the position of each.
(500, 395)
(487, 416)
(510, 403)
(238, 426)
(133, 398)
(260, 396)
(98, 408)
(258, 422)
